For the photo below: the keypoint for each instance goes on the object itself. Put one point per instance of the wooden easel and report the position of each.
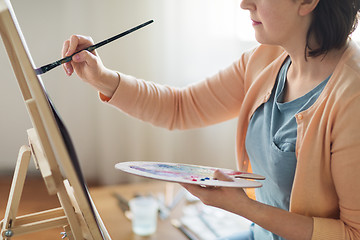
(51, 148)
(63, 216)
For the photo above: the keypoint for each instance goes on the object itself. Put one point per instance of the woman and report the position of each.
(296, 97)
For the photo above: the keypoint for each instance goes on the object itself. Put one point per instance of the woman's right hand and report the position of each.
(88, 65)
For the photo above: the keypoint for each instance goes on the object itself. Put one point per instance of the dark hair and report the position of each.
(333, 21)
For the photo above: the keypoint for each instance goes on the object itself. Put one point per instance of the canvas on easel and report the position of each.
(51, 148)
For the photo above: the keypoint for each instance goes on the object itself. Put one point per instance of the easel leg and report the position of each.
(12, 225)
(67, 233)
(16, 191)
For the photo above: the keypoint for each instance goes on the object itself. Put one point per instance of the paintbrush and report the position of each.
(50, 66)
(176, 223)
(123, 204)
(248, 175)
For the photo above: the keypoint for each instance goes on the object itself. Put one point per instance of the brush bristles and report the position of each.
(46, 68)
(39, 71)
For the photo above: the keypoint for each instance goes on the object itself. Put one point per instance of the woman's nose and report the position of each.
(247, 5)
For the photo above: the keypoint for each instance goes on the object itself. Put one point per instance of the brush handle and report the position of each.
(187, 233)
(50, 66)
(93, 47)
(102, 43)
(249, 176)
(176, 223)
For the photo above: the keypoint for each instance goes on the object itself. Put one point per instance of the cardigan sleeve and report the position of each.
(345, 164)
(345, 169)
(207, 102)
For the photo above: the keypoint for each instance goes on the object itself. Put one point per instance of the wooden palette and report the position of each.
(193, 174)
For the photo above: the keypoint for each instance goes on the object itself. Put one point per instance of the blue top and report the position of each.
(270, 144)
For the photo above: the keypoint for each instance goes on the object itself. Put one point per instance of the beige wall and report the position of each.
(181, 47)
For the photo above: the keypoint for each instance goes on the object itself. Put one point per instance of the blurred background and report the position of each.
(189, 40)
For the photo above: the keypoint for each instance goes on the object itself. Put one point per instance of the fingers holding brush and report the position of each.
(86, 64)
(74, 44)
(67, 66)
(77, 43)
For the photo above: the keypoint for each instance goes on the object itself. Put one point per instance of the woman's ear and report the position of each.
(307, 6)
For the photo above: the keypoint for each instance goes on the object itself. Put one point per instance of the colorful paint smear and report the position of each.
(188, 172)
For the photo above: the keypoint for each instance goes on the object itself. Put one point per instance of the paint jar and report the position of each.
(144, 211)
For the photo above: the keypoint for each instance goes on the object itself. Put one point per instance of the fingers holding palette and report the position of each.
(193, 174)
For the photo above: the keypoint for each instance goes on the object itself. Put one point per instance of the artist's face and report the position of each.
(275, 21)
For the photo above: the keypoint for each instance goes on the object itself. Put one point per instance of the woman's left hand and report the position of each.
(227, 198)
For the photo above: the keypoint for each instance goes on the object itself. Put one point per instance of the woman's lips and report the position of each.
(254, 23)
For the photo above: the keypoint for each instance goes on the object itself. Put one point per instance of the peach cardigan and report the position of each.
(327, 178)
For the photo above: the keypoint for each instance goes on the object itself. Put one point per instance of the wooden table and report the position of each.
(35, 198)
(118, 226)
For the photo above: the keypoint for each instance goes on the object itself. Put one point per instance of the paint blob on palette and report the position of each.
(186, 173)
